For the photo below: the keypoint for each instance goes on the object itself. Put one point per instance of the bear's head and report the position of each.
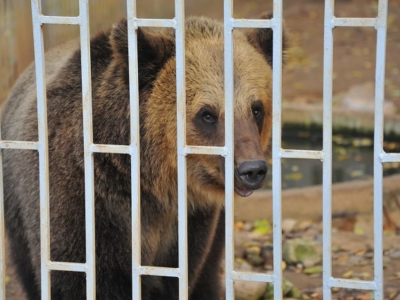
(205, 110)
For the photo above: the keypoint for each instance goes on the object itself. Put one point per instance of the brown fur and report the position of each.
(205, 88)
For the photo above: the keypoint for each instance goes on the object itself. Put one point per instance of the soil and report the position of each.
(354, 63)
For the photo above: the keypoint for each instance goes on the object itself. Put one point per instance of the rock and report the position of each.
(301, 251)
(248, 290)
(288, 225)
(287, 288)
(244, 267)
(361, 98)
(254, 255)
(395, 254)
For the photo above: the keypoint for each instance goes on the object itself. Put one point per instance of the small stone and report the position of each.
(244, 266)
(288, 225)
(249, 290)
(395, 254)
(301, 251)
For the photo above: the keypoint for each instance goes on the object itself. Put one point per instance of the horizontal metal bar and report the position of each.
(159, 271)
(19, 145)
(390, 157)
(243, 23)
(60, 20)
(156, 23)
(352, 284)
(304, 154)
(249, 276)
(101, 148)
(205, 150)
(64, 266)
(354, 22)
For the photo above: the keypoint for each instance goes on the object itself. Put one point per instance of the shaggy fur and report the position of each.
(205, 95)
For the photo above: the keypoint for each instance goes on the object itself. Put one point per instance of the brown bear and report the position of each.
(111, 121)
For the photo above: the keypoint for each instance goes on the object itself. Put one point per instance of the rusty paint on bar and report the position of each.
(19, 145)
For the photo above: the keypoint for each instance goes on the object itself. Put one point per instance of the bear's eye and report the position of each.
(208, 117)
(257, 111)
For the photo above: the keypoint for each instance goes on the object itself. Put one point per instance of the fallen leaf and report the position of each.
(347, 274)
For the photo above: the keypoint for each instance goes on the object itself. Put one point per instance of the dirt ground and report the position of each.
(354, 63)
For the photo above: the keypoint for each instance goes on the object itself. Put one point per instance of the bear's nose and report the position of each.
(252, 173)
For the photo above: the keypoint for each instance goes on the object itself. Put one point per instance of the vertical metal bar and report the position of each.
(181, 142)
(135, 147)
(276, 146)
(88, 156)
(378, 146)
(327, 148)
(42, 149)
(229, 145)
(2, 240)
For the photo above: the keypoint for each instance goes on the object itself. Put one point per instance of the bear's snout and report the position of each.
(251, 174)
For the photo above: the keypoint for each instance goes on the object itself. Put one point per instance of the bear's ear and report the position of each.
(261, 39)
(155, 47)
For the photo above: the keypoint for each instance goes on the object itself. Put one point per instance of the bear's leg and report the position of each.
(208, 285)
(20, 254)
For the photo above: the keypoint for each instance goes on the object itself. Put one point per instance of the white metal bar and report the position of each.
(42, 149)
(156, 23)
(378, 146)
(64, 266)
(158, 271)
(327, 149)
(205, 150)
(304, 154)
(389, 157)
(2, 236)
(229, 145)
(276, 146)
(248, 276)
(19, 145)
(352, 284)
(245, 23)
(134, 147)
(59, 20)
(181, 143)
(117, 149)
(353, 22)
(88, 155)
